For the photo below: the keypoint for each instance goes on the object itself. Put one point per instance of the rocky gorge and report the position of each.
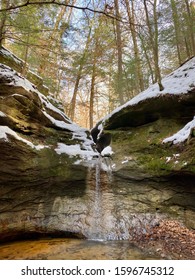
(53, 182)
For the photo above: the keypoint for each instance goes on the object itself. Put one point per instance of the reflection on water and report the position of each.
(72, 249)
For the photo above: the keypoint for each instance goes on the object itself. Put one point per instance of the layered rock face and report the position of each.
(153, 139)
(52, 181)
(40, 154)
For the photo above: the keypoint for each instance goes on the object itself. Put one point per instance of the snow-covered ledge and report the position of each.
(183, 134)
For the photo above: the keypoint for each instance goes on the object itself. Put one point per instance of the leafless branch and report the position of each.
(52, 2)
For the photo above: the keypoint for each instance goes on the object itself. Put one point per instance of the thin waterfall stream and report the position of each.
(101, 218)
(104, 215)
(103, 230)
(104, 235)
(98, 202)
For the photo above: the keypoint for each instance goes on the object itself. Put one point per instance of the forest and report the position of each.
(95, 55)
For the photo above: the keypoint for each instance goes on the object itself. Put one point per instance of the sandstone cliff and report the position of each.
(52, 182)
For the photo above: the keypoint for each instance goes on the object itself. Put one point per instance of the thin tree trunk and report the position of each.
(92, 94)
(25, 67)
(50, 42)
(176, 28)
(3, 18)
(131, 18)
(148, 59)
(191, 26)
(154, 41)
(119, 87)
(93, 80)
(79, 74)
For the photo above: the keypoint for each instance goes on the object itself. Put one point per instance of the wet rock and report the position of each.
(160, 176)
(45, 189)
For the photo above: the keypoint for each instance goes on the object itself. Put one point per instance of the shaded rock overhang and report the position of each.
(181, 107)
(176, 101)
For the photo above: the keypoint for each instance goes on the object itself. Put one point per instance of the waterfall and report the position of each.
(96, 225)
(109, 208)
(102, 222)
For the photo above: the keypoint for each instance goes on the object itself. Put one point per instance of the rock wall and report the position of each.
(157, 168)
(53, 182)
(43, 156)
(9, 59)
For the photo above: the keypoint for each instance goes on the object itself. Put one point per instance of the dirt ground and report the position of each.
(171, 240)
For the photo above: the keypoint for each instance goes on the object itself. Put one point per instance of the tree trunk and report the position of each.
(154, 41)
(25, 67)
(119, 87)
(176, 28)
(191, 26)
(51, 41)
(79, 74)
(131, 18)
(92, 94)
(147, 59)
(93, 79)
(3, 17)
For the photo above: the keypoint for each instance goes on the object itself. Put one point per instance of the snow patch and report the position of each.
(168, 159)
(5, 130)
(125, 161)
(75, 150)
(107, 151)
(12, 56)
(100, 128)
(57, 123)
(182, 135)
(2, 114)
(51, 107)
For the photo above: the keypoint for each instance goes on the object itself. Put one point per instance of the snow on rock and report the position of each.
(107, 151)
(11, 56)
(125, 161)
(84, 149)
(57, 123)
(182, 135)
(75, 150)
(51, 107)
(5, 130)
(15, 79)
(180, 81)
(2, 114)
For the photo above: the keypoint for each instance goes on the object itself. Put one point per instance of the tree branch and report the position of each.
(51, 2)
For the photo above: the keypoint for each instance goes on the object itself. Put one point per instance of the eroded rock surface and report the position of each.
(53, 182)
(40, 154)
(157, 169)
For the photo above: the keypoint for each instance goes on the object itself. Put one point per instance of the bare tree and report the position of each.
(153, 37)
(3, 17)
(51, 42)
(119, 52)
(131, 18)
(78, 78)
(190, 24)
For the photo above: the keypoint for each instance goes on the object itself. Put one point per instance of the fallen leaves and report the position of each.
(170, 239)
